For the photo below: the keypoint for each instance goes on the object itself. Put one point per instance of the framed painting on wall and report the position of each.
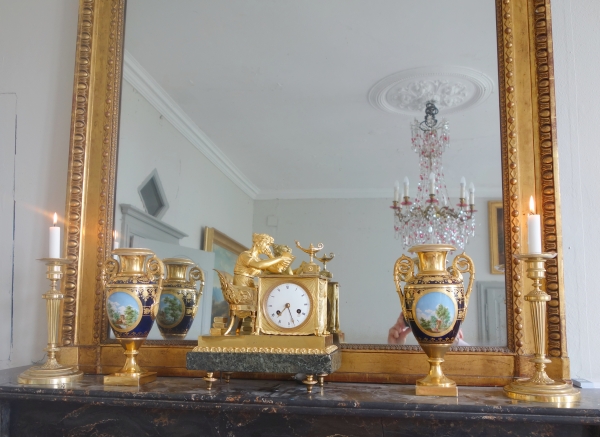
(497, 251)
(226, 252)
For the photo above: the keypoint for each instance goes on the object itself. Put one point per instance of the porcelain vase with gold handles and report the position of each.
(434, 303)
(133, 284)
(180, 297)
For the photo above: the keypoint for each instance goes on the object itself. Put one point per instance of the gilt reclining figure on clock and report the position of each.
(285, 301)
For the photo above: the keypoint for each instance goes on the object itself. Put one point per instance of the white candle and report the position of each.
(431, 183)
(396, 191)
(116, 243)
(463, 188)
(54, 241)
(471, 194)
(406, 185)
(534, 229)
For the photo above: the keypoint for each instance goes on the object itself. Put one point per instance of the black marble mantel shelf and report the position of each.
(183, 406)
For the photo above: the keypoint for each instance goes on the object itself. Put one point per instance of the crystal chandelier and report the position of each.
(429, 218)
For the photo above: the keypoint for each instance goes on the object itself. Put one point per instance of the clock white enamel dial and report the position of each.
(287, 305)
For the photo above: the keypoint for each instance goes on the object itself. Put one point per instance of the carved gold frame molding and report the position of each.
(529, 157)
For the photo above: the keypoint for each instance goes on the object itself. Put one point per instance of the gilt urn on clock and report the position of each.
(434, 303)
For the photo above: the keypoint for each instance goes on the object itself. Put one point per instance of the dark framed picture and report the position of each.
(226, 252)
(497, 252)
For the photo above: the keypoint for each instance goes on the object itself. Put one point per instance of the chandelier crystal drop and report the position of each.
(428, 218)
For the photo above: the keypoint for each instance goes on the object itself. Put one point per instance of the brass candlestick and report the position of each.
(52, 372)
(540, 387)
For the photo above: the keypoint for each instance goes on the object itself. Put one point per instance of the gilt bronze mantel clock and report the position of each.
(293, 304)
(277, 318)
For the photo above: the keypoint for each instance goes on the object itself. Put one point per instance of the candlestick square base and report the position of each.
(424, 390)
(133, 380)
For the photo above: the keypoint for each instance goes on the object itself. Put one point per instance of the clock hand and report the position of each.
(283, 309)
(287, 305)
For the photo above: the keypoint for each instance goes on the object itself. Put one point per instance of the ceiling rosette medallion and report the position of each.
(451, 88)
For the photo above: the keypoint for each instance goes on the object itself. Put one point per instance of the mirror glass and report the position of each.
(292, 118)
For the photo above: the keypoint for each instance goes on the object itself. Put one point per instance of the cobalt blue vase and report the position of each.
(434, 303)
(180, 297)
(133, 285)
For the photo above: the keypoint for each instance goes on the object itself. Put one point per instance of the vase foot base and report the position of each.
(556, 392)
(173, 336)
(57, 376)
(135, 380)
(432, 390)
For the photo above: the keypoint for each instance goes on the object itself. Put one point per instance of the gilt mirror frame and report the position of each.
(529, 167)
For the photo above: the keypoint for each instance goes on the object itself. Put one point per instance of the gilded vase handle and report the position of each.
(464, 264)
(155, 269)
(403, 272)
(197, 274)
(110, 268)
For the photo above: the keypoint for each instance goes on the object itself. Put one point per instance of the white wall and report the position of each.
(198, 193)
(37, 60)
(360, 233)
(576, 63)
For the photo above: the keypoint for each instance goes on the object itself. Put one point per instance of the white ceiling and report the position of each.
(281, 86)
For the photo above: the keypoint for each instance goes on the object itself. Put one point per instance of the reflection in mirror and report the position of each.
(293, 119)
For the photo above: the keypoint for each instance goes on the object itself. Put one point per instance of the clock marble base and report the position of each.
(265, 354)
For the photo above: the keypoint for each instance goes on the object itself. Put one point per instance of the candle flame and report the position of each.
(531, 205)
(55, 219)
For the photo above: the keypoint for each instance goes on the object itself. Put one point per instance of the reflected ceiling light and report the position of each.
(456, 89)
(429, 218)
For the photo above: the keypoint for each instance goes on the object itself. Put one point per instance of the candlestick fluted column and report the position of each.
(52, 372)
(540, 387)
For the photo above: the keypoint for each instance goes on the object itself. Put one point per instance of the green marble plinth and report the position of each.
(265, 362)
